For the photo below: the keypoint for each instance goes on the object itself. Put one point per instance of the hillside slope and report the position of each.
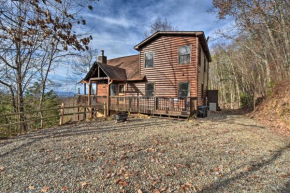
(275, 110)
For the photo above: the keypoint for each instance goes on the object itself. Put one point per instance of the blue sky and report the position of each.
(118, 25)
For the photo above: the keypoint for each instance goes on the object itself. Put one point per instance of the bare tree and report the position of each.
(159, 25)
(33, 34)
(82, 63)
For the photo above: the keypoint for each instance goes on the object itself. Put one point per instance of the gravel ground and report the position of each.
(222, 153)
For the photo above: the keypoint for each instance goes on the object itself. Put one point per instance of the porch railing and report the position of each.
(148, 105)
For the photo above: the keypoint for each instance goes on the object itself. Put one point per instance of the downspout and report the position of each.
(108, 96)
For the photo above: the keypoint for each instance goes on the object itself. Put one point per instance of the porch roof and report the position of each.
(121, 69)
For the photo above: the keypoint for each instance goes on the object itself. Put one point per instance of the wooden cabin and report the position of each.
(169, 76)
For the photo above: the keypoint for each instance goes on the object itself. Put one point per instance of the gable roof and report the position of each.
(199, 34)
(123, 69)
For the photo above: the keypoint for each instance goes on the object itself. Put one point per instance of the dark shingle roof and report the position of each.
(123, 69)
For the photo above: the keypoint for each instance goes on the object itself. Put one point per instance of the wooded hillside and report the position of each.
(254, 55)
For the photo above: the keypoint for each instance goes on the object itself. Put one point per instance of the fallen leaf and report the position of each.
(246, 168)
(83, 184)
(64, 188)
(44, 189)
(2, 168)
(123, 183)
(156, 191)
(156, 141)
(139, 191)
(216, 169)
(163, 189)
(117, 181)
(31, 187)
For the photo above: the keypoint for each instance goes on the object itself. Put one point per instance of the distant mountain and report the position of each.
(65, 94)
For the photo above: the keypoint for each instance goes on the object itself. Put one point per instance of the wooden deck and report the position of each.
(183, 107)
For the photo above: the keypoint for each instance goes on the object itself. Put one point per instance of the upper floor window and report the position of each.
(149, 59)
(183, 89)
(150, 89)
(184, 54)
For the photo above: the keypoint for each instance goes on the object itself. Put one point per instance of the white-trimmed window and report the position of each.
(150, 89)
(184, 54)
(149, 59)
(183, 89)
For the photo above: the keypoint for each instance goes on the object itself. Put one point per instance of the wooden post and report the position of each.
(156, 103)
(61, 114)
(85, 93)
(89, 99)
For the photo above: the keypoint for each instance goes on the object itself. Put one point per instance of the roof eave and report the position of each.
(138, 46)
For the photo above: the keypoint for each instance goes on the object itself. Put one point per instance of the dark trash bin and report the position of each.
(121, 116)
(202, 111)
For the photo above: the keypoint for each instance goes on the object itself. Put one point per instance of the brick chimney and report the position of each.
(102, 59)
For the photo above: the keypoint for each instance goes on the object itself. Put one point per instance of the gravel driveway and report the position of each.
(222, 153)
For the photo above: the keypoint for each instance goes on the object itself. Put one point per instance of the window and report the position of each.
(149, 62)
(183, 89)
(121, 89)
(204, 63)
(150, 89)
(184, 54)
(199, 56)
(113, 89)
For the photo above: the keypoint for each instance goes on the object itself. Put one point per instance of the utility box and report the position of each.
(212, 106)
(212, 97)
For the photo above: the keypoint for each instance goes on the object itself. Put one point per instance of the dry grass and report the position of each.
(219, 154)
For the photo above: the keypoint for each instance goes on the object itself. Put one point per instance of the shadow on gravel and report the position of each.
(83, 129)
(286, 188)
(226, 182)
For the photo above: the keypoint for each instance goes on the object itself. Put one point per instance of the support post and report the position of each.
(61, 114)
(108, 96)
(85, 93)
(89, 99)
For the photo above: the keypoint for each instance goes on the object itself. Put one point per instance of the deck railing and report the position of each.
(149, 105)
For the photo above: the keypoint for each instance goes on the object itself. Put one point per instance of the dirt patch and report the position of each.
(222, 153)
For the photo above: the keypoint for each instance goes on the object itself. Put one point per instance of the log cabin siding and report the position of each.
(167, 72)
(102, 89)
(201, 79)
(135, 89)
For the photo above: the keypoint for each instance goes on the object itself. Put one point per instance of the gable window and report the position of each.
(184, 54)
(150, 89)
(113, 89)
(121, 88)
(149, 59)
(183, 89)
(199, 56)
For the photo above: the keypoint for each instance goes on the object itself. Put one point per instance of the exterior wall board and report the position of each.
(167, 72)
